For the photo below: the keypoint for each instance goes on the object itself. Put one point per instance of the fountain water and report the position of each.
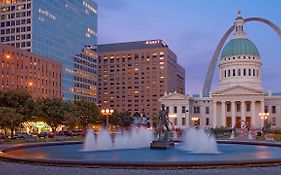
(90, 144)
(198, 141)
(136, 138)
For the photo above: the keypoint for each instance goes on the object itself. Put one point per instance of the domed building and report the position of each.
(239, 100)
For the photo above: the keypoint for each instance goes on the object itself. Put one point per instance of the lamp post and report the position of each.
(107, 113)
(195, 120)
(264, 116)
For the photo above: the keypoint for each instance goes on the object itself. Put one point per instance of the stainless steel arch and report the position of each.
(214, 60)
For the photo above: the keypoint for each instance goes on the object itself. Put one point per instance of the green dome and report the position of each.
(239, 46)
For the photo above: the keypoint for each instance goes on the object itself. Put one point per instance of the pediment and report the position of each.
(238, 90)
(174, 96)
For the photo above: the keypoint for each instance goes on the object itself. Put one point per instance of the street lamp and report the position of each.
(264, 116)
(195, 120)
(107, 113)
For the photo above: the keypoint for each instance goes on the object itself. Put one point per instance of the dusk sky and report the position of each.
(192, 29)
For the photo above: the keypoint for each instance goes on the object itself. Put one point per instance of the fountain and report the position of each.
(196, 140)
(136, 138)
(89, 143)
(130, 148)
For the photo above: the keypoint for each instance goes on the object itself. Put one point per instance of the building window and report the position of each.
(228, 73)
(273, 121)
(239, 72)
(250, 72)
(207, 110)
(175, 109)
(183, 110)
(196, 110)
(183, 121)
(228, 107)
(244, 72)
(224, 73)
(273, 109)
(207, 121)
(266, 109)
(233, 72)
(254, 72)
(248, 107)
(238, 107)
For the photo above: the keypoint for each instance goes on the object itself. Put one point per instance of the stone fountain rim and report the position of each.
(141, 165)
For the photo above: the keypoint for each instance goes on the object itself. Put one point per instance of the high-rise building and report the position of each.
(23, 70)
(134, 75)
(65, 31)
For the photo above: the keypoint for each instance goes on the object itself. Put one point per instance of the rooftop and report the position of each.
(132, 45)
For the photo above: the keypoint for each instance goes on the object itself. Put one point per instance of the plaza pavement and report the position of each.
(8, 168)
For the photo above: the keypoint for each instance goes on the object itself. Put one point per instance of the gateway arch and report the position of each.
(214, 60)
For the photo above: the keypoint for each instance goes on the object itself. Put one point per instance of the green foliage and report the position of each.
(86, 112)
(71, 121)
(123, 119)
(53, 111)
(21, 101)
(10, 118)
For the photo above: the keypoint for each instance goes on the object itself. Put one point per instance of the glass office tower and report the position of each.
(64, 30)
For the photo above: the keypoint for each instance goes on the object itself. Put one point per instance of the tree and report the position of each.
(86, 112)
(20, 100)
(123, 119)
(53, 111)
(10, 119)
(71, 121)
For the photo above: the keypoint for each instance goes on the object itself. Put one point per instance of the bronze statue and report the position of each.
(164, 118)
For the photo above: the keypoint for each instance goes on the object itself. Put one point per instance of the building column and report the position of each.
(243, 111)
(233, 120)
(262, 111)
(223, 113)
(253, 113)
(214, 114)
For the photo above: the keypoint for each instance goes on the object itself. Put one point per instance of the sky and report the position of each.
(192, 29)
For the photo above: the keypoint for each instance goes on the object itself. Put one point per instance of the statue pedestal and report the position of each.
(162, 144)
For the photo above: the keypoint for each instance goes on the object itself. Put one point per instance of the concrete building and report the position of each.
(65, 31)
(23, 70)
(239, 100)
(134, 75)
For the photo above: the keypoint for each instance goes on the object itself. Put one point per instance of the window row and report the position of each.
(16, 22)
(239, 57)
(16, 30)
(16, 7)
(273, 109)
(240, 72)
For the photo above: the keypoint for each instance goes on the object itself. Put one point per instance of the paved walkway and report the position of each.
(7, 168)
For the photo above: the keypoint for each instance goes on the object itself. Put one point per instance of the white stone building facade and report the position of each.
(239, 98)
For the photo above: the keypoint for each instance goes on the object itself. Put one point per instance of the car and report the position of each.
(46, 134)
(65, 133)
(23, 135)
(78, 132)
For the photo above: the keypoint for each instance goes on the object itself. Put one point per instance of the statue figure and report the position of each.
(164, 118)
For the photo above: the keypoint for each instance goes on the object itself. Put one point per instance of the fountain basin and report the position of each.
(233, 153)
